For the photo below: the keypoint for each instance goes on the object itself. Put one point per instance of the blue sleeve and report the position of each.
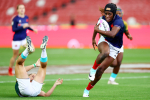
(118, 23)
(30, 28)
(15, 27)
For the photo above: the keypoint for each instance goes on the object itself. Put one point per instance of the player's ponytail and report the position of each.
(101, 10)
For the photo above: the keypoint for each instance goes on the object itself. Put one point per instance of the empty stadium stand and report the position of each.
(84, 11)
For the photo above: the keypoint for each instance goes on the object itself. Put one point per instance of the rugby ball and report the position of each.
(103, 25)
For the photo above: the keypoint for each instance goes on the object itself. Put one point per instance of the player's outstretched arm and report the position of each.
(128, 35)
(37, 64)
(33, 29)
(58, 82)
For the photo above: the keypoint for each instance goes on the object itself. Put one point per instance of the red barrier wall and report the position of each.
(78, 37)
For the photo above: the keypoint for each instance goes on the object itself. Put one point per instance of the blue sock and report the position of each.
(43, 59)
(24, 57)
(92, 71)
(43, 56)
(25, 54)
(86, 91)
(112, 77)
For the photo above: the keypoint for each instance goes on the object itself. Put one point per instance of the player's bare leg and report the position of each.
(104, 52)
(100, 70)
(43, 60)
(104, 65)
(116, 64)
(20, 70)
(12, 61)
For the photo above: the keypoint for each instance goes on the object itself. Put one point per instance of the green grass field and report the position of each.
(75, 56)
(132, 86)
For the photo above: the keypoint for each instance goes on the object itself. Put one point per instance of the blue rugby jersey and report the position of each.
(17, 27)
(117, 41)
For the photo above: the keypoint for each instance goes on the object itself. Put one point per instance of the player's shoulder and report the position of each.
(26, 16)
(118, 19)
(125, 23)
(15, 17)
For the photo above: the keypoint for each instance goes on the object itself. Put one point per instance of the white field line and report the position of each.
(80, 79)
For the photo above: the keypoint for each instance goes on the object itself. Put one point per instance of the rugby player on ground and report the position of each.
(30, 86)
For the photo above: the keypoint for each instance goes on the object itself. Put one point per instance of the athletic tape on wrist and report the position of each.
(34, 65)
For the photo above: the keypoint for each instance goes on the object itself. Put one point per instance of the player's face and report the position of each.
(21, 9)
(32, 76)
(119, 13)
(108, 16)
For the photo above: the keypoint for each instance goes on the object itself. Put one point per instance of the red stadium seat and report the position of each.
(85, 11)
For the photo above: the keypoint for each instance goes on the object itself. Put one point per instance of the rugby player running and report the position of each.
(109, 47)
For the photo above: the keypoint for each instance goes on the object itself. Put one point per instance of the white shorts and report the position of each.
(114, 51)
(122, 50)
(27, 88)
(16, 44)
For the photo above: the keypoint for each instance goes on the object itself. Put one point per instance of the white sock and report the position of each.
(113, 77)
(44, 53)
(25, 52)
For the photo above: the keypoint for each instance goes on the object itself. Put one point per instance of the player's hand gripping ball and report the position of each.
(103, 25)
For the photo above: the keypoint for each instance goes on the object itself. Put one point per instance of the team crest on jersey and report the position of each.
(19, 24)
(112, 25)
(19, 21)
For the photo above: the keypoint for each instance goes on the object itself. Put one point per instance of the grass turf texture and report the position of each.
(129, 88)
(75, 56)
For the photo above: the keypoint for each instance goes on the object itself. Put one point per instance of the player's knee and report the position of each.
(119, 63)
(19, 62)
(105, 54)
(114, 63)
(43, 64)
(15, 55)
(99, 72)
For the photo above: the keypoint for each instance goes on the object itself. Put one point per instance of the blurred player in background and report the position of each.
(30, 86)
(109, 46)
(117, 62)
(19, 27)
